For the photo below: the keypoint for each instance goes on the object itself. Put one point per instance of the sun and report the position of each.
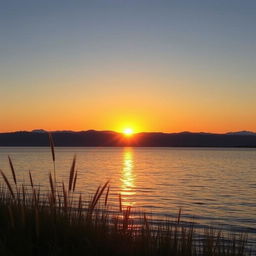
(128, 131)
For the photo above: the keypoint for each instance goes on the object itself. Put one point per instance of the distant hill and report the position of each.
(146, 139)
(242, 133)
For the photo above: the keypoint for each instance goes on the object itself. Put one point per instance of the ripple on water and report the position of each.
(212, 186)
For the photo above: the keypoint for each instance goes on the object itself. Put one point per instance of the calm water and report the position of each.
(214, 187)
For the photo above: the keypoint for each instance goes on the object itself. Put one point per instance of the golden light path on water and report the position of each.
(128, 178)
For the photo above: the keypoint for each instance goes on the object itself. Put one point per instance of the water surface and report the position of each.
(213, 186)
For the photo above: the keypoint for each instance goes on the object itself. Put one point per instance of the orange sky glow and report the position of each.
(170, 68)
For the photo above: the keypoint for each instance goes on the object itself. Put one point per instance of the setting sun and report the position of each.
(128, 131)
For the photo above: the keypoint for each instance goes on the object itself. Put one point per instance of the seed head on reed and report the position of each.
(74, 183)
(12, 169)
(71, 174)
(7, 183)
(101, 192)
(106, 197)
(52, 146)
(94, 197)
(53, 155)
(97, 196)
(31, 179)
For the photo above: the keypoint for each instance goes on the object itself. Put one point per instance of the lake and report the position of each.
(212, 186)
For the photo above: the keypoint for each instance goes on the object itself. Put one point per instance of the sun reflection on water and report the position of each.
(128, 178)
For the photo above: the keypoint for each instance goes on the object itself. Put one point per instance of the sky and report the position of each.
(159, 65)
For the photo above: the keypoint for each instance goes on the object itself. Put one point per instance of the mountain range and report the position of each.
(145, 139)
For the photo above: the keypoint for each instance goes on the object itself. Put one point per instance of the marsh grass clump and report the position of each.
(61, 222)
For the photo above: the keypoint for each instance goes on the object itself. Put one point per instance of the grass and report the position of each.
(61, 223)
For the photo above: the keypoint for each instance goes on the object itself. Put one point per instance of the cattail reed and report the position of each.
(71, 174)
(74, 183)
(94, 198)
(52, 188)
(7, 183)
(13, 171)
(97, 196)
(31, 179)
(53, 155)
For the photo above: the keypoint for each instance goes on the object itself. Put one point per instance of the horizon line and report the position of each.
(184, 131)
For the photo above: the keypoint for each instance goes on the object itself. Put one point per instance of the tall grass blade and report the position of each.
(13, 171)
(74, 183)
(53, 155)
(52, 188)
(179, 215)
(52, 146)
(98, 195)
(71, 173)
(7, 183)
(94, 198)
(31, 179)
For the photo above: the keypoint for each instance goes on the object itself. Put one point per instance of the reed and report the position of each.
(106, 197)
(7, 183)
(61, 223)
(52, 195)
(74, 183)
(13, 171)
(71, 174)
(53, 155)
(31, 179)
